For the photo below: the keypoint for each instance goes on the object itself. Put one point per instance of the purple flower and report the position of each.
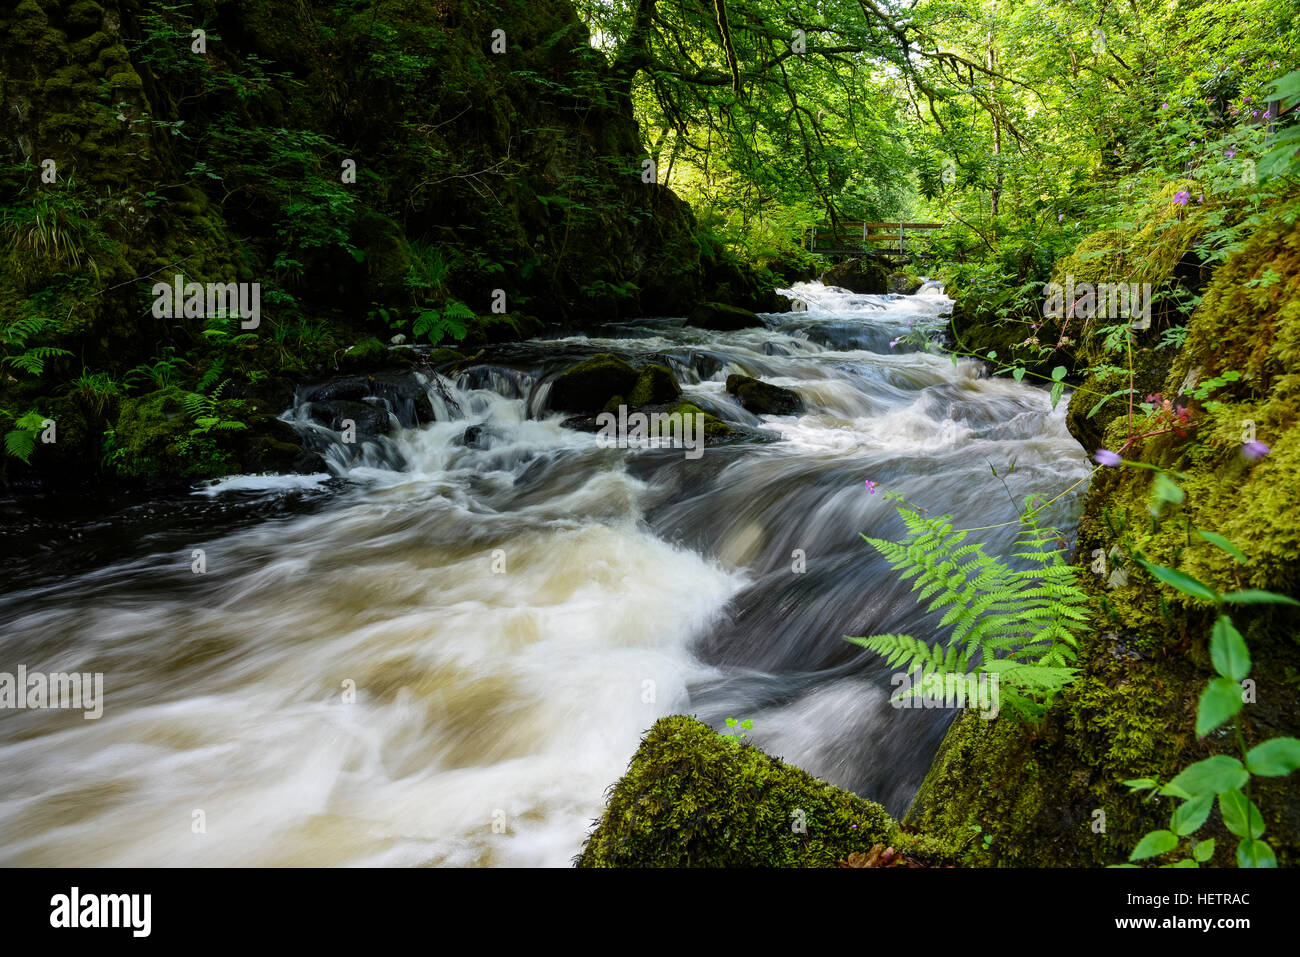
(1060, 218)
(1181, 197)
(1107, 458)
(871, 486)
(1254, 112)
(1164, 106)
(895, 342)
(1254, 450)
(1201, 198)
(1230, 153)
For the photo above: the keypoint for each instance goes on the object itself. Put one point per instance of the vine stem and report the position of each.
(1035, 511)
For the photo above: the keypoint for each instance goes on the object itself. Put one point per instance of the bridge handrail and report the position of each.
(866, 233)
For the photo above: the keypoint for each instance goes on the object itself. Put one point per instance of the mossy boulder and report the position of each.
(904, 282)
(860, 275)
(692, 798)
(762, 398)
(494, 329)
(655, 384)
(723, 318)
(588, 386)
(714, 428)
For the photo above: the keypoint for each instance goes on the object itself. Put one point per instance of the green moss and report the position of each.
(1131, 713)
(692, 798)
(656, 383)
(589, 385)
(714, 428)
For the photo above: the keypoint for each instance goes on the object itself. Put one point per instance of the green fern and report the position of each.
(1021, 624)
(20, 441)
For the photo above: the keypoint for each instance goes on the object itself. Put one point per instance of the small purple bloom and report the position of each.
(871, 486)
(1060, 218)
(1254, 113)
(1181, 197)
(895, 342)
(1230, 153)
(1107, 458)
(1254, 450)
(1164, 106)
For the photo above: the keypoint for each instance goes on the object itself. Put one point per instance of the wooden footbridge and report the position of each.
(853, 238)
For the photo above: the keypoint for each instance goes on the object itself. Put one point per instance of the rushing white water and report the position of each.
(514, 612)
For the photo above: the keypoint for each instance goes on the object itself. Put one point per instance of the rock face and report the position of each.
(723, 318)
(692, 798)
(424, 97)
(762, 398)
(862, 275)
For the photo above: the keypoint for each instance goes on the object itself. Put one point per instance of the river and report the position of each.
(443, 653)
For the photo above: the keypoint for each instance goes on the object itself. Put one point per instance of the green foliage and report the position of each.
(20, 441)
(738, 729)
(1021, 624)
(20, 353)
(1221, 777)
(208, 412)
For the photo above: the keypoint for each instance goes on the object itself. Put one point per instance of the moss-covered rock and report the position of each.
(655, 384)
(904, 282)
(588, 386)
(860, 275)
(723, 318)
(714, 428)
(692, 798)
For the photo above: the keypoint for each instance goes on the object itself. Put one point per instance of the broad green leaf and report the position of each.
(1204, 850)
(1141, 784)
(1253, 596)
(1185, 862)
(1153, 845)
(1286, 87)
(1166, 489)
(1018, 373)
(1274, 758)
(1057, 391)
(1214, 538)
(1235, 808)
(1213, 775)
(1183, 582)
(1191, 814)
(1058, 373)
(1255, 854)
(1220, 701)
(1228, 650)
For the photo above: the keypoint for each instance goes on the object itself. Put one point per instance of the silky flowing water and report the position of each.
(513, 612)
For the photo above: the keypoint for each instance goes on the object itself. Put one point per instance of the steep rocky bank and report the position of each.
(460, 172)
